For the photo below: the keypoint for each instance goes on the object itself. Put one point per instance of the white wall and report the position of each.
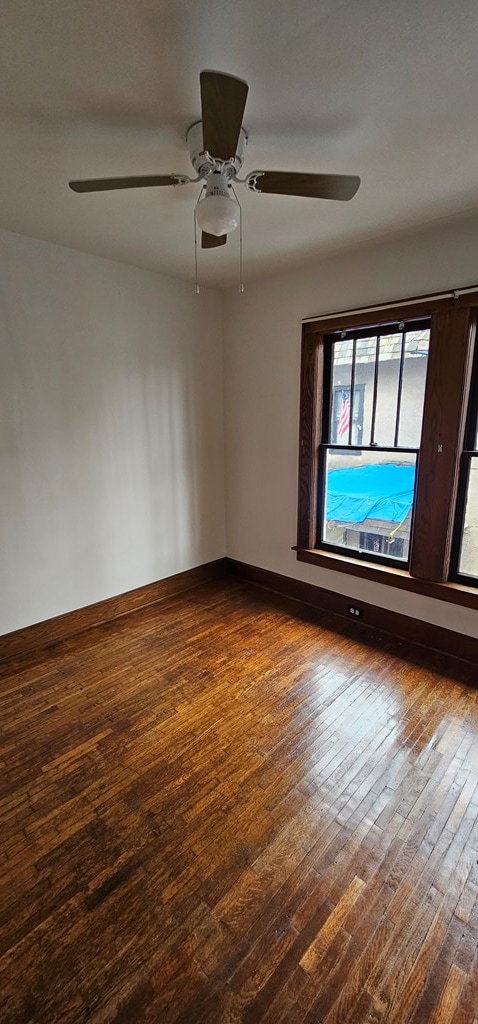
(111, 429)
(262, 360)
(111, 418)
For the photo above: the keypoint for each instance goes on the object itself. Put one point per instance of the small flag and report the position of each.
(343, 424)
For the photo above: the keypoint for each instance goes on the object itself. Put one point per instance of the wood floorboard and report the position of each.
(227, 808)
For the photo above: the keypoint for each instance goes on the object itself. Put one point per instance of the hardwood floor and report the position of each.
(226, 808)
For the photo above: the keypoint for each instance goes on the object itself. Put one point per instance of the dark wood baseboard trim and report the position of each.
(454, 593)
(42, 634)
(445, 641)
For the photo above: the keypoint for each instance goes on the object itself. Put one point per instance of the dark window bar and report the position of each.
(352, 389)
(400, 383)
(375, 386)
(369, 448)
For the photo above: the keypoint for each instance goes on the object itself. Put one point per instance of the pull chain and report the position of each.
(241, 282)
(196, 283)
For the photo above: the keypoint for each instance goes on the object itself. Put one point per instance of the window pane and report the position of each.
(388, 393)
(368, 502)
(469, 544)
(341, 387)
(363, 392)
(413, 388)
(387, 390)
(341, 413)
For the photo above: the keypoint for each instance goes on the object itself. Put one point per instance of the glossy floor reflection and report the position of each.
(224, 808)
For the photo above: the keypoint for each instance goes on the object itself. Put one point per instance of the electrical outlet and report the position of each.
(355, 611)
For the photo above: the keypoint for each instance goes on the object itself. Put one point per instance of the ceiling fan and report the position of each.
(217, 145)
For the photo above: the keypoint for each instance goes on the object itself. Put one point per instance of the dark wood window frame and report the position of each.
(452, 342)
(331, 446)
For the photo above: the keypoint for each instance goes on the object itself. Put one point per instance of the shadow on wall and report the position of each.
(110, 431)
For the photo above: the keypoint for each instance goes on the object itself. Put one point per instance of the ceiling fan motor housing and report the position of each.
(217, 184)
(204, 162)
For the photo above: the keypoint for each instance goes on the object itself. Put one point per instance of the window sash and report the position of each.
(400, 328)
(458, 574)
(469, 453)
(368, 555)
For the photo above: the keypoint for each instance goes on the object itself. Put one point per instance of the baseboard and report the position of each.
(42, 634)
(415, 631)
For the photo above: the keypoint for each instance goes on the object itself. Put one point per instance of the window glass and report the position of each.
(368, 502)
(364, 373)
(342, 414)
(341, 389)
(413, 388)
(387, 389)
(468, 563)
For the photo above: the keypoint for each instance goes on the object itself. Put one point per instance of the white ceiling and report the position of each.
(387, 89)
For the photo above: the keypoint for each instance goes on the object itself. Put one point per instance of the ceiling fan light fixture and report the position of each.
(218, 214)
(217, 145)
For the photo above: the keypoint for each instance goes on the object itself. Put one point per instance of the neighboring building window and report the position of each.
(342, 415)
(382, 428)
(373, 391)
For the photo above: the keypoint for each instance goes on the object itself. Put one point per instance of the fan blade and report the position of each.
(211, 241)
(223, 99)
(316, 186)
(108, 184)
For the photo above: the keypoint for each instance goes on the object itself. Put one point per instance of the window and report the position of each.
(465, 559)
(372, 406)
(388, 475)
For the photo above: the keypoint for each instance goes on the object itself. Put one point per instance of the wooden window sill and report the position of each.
(454, 593)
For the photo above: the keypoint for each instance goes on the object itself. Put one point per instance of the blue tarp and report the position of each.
(370, 492)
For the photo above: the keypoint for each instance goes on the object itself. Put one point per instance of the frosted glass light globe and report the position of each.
(217, 214)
